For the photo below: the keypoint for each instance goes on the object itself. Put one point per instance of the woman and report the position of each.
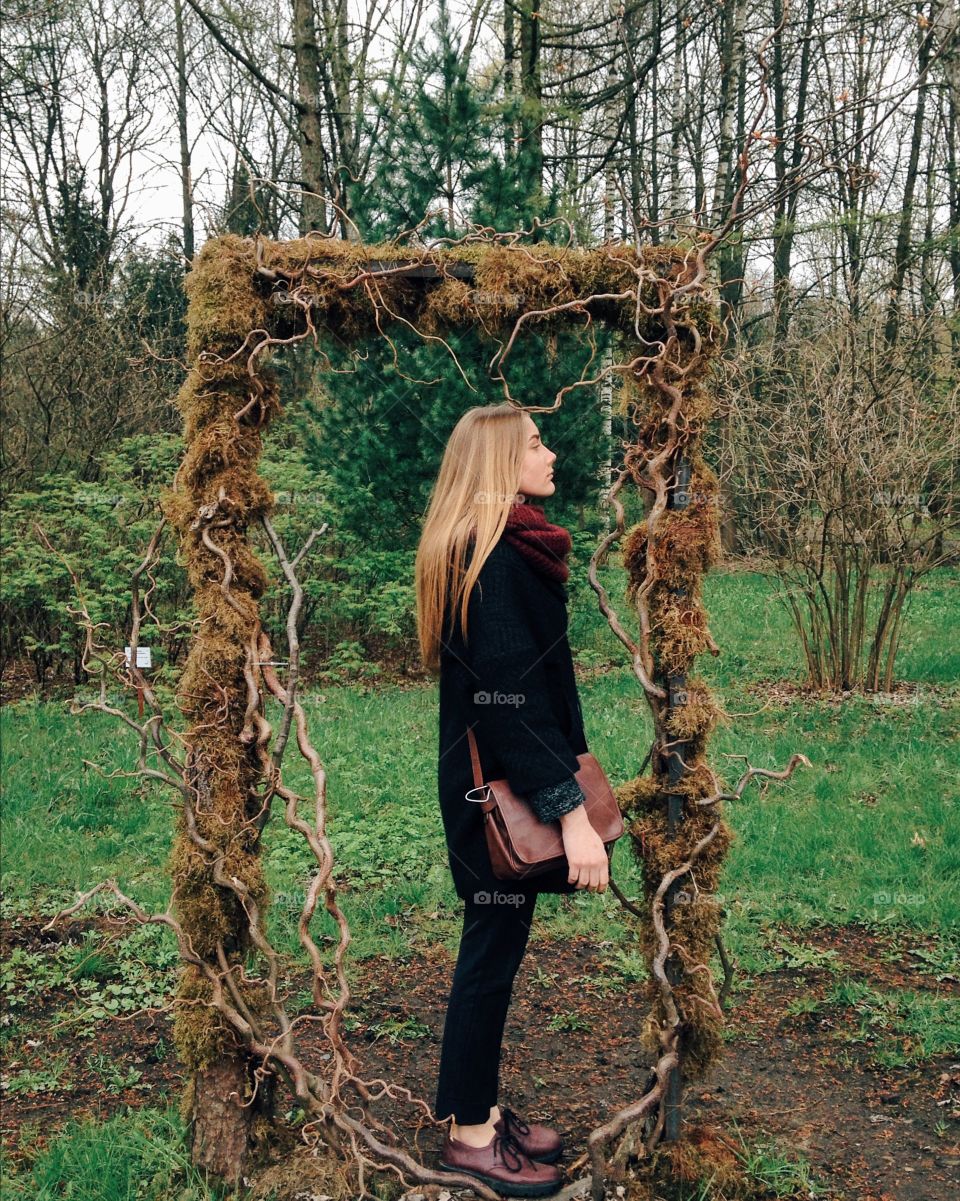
(492, 620)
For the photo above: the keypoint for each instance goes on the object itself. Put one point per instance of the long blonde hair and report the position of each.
(475, 487)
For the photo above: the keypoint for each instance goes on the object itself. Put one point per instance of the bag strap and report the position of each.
(474, 758)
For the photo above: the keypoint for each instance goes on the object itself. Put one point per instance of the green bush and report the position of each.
(99, 531)
(358, 600)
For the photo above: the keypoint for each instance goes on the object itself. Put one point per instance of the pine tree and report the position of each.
(450, 152)
(503, 199)
(380, 428)
(432, 153)
(81, 269)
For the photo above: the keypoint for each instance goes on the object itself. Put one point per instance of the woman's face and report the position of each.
(536, 475)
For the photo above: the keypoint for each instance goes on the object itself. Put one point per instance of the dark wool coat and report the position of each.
(513, 681)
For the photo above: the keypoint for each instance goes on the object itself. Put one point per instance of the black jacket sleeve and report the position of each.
(552, 802)
(510, 702)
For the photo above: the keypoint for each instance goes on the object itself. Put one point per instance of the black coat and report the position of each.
(513, 681)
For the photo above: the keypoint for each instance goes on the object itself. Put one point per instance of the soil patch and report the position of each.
(870, 1132)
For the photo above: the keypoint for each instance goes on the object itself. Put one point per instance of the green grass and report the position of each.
(767, 1165)
(66, 826)
(139, 1155)
(755, 633)
(867, 834)
(903, 1027)
(864, 835)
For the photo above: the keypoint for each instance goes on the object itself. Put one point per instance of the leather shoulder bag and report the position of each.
(520, 844)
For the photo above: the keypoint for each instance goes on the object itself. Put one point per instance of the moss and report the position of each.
(634, 554)
(444, 306)
(506, 281)
(639, 795)
(200, 1034)
(703, 1159)
(686, 544)
(224, 307)
(227, 397)
(659, 853)
(695, 719)
(299, 1171)
(680, 626)
(695, 916)
(187, 1098)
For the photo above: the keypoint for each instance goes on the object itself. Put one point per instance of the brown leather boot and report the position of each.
(502, 1165)
(540, 1143)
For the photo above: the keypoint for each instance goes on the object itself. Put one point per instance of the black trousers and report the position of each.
(496, 926)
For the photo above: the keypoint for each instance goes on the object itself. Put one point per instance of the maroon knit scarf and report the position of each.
(545, 546)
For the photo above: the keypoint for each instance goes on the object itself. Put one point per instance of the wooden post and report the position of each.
(679, 498)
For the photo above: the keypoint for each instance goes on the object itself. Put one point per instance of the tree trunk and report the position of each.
(675, 204)
(946, 18)
(605, 470)
(186, 175)
(509, 53)
(313, 212)
(785, 205)
(531, 116)
(732, 256)
(636, 187)
(219, 1125)
(656, 22)
(902, 253)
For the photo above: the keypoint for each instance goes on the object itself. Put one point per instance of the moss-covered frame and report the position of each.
(249, 298)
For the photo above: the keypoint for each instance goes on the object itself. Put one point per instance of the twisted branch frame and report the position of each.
(250, 297)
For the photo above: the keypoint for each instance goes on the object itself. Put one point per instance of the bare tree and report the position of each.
(850, 483)
(77, 116)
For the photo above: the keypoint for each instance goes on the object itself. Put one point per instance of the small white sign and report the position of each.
(143, 656)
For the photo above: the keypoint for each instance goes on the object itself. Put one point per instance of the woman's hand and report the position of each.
(586, 854)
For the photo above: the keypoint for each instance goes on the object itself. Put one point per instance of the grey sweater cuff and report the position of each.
(554, 800)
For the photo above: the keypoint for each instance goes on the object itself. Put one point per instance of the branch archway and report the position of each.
(249, 298)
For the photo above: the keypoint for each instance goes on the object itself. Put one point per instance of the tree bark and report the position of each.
(313, 213)
(531, 115)
(509, 53)
(902, 253)
(788, 194)
(219, 1126)
(186, 174)
(731, 257)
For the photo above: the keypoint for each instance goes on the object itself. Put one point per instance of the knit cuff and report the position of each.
(554, 800)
